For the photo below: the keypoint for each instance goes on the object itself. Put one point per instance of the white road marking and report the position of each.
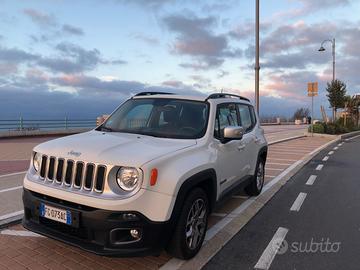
(271, 250)
(311, 180)
(298, 202)
(271, 169)
(10, 215)
(280, 151)
(330, 153)
(281, 175)
(12, 174)
(352, 138)
(325, 158)
(15, 160)
(281, 159)
(336, 148)
(281, 164)
(340, 144)
(10, 189)
(218, 214)
(20, 233)
(240, 197)
(319, 167)
(272, 176)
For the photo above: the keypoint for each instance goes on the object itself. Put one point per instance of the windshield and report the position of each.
(166, 118)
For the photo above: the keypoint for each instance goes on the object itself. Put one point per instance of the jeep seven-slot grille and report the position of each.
(79, 175)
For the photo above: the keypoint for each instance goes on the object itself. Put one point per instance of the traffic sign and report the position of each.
(313, 89)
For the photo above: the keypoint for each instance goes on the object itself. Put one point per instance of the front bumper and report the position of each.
(100, 231)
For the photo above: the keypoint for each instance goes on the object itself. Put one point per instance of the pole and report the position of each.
(312, 115)
(333, 52)
(333, 79)
(257, 56)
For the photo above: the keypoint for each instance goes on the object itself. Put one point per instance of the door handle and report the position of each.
(241, 147)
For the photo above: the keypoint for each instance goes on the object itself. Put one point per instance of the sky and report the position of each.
(82, 58)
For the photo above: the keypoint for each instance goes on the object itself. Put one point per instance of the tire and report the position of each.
(257, 181)
(195, 213)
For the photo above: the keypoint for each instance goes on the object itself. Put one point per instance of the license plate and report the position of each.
(56, 214)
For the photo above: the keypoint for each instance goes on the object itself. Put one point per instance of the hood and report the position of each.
(112, 148)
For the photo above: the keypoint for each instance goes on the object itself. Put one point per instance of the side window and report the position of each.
(245, 117)
(226, 116)
(253, 115)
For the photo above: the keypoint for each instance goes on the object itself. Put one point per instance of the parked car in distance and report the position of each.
(148, 177)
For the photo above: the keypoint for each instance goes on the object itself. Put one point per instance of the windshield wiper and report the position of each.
(103, 128)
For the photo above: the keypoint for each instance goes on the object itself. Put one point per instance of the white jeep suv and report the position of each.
(148, 177)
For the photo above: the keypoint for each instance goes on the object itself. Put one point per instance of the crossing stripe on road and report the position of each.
(298, 202)
(325, 158)
(319, 167)
(20, 233)
(271, 250)
(311, 180)
(12, 174)
(10, 189)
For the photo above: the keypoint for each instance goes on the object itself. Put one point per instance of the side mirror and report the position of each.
(233, 133)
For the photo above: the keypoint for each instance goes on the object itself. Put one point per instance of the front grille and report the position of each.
(71, 174)
(51, 169)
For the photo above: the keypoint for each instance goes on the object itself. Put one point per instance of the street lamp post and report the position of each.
(257, 56)
(322, 49)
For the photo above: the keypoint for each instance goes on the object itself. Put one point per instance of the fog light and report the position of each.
(135, 233)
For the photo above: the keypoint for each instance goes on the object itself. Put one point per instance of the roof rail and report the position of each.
(152, 93)
(226, 95)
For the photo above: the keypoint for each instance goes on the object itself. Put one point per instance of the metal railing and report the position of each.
(45, 124)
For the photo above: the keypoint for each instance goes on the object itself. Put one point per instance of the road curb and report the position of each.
(12, 218)
(287, 139)
(221, 238)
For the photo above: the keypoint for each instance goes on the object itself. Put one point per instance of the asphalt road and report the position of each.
(313, 222)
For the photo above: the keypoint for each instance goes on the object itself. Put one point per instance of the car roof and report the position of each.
(171, 96)
(214, 98)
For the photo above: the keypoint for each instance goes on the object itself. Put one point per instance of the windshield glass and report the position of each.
(166, 118)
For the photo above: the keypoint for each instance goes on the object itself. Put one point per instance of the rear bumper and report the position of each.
(100, 231)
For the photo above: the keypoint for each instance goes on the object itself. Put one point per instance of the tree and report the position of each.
(336, 95)
(352, 107)
(301, 113)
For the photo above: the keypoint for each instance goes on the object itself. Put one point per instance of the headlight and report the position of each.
(37, 161)
(128, 178)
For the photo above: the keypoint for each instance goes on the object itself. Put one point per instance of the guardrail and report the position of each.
(45, 124)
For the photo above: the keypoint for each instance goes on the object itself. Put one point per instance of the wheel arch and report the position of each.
(263, 153)
(205, 179)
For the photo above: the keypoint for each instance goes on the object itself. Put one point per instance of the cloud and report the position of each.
(154, 4)
(246, 30)
(196, 39)
(73, 30)
(8, 68)
(15, 55)
(310, 7)
(223, 74)
(74, 59)
(145, 38)
(89, 98)
(41, 19)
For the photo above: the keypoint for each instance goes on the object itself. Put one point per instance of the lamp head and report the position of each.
(321, 49)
